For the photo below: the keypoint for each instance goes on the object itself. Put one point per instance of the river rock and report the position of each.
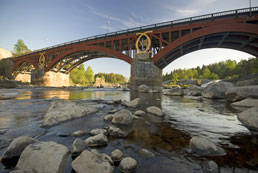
(133, 104)
(216, 90)
(174, 92)
(128, 164)
(196, 91)
(43, 157)
(63, 110)
(103, 156)
(144, 89)
(117, 155)
(122, 117)
(119, 132)
(249, 102)
(249, 118)
(79, 133)
(98, 131)
(16, 147)
(108, 117)
(240, 93)
(125, 89)
(91, 163)
(97, 141)
(210, 167)
(113, 111)
(146, 153)
(139, 113)
(203, 146)
(78, 146)
(155, 111)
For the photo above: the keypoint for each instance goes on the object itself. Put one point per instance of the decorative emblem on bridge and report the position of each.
(42, 59)
(143, 43)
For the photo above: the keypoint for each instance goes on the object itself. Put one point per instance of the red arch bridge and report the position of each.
(162, 43)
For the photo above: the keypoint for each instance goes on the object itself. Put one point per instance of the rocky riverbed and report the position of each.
(113, 130)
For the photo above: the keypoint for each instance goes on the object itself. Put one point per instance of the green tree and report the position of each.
(174, 78)
(89, 74)
(20, 48)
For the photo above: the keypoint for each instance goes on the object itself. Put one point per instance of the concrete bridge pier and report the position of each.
(144, 71)
(50, 78)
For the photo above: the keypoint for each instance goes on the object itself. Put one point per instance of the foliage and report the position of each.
(6, 68)
(89, 74)
(112, 78)
(82, 77)
(221, 70)
(20, 48)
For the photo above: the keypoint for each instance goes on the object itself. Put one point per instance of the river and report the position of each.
(22, 112)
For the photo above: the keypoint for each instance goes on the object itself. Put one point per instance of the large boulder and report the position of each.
(63, 110)
(203, 146)
(123, 117)
(239, 93)
(16, 147)
(43, 157)
(91, 163)
(249, 102)
(174, 92)
(249, 118)
(133, 104)
(144, 89)
(217, 90)
(97, 141)
(155, 111)
(196, 91)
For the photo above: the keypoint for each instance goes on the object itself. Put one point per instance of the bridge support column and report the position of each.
(23, 77)
(144, 71)
(52, 79)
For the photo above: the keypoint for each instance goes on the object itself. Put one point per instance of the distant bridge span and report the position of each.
(234, 29)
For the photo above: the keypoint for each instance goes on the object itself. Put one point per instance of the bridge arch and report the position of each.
(104, 52)
(19, 63)
(238, 36)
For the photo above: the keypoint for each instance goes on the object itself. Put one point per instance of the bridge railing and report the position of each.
(212, 16)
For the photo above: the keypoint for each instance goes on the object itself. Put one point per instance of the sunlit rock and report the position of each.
(97, 141)
(16, 147)
(43, 157)
(63, 110)
(123, 117)
(249, 118)
(203, 146)
(91, 163)
(155, 111)
(217, 90)
(128, 164)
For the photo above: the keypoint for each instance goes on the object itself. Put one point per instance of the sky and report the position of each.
(42, 23)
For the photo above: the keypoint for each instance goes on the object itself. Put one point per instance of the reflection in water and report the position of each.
(81, 95)
(147, 99)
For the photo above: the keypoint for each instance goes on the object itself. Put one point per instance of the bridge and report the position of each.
(159, 44)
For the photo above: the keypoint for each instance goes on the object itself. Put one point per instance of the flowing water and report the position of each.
(22, 112)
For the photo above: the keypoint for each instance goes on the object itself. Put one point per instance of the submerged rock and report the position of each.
(91, 163)
(146, 153)
(97, 141)
(239, 93)
(123, 117)
(63, 110)
(117, 155)
(155, 111)
(203, 146)
(217, 90)
(78, 146)
(43, 157)
(128, 164)
(16, 147)
(249, 118)
(133, 104)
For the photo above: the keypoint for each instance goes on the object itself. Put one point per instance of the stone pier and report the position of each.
(52, 79)
(144, 71)
(23, 77)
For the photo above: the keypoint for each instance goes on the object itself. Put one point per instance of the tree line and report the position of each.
(86, 77)
(222, 70)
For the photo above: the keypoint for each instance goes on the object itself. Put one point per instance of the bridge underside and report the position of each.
(245, 42)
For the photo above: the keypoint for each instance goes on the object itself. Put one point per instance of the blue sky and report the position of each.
(42, 23)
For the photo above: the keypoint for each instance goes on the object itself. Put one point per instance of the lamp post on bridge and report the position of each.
(250, 7)
(107, 26)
